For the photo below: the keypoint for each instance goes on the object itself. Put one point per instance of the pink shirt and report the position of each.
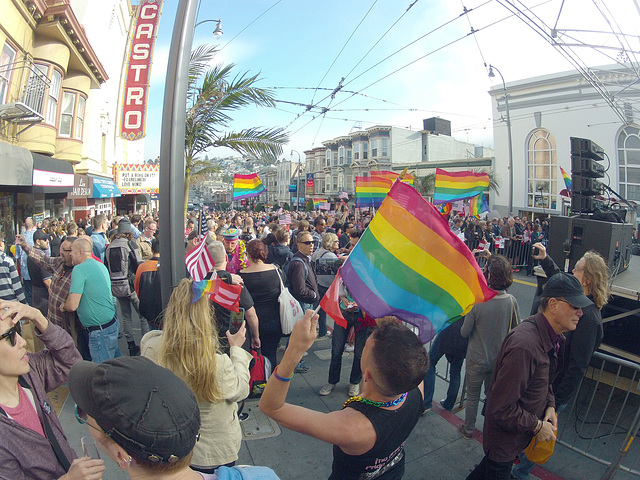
(25, 413)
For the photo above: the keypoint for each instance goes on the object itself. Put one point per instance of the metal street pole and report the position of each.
(297, 180)
(172, 267)
(506, 106)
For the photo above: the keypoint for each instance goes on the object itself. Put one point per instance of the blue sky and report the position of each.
(299, 45)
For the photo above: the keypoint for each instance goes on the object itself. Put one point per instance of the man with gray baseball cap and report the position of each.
(521, 403)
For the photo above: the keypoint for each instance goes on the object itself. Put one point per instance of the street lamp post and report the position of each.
(217, 31)
(297, 180)
(506, 106)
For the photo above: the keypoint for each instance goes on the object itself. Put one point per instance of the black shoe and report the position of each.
(134, 350)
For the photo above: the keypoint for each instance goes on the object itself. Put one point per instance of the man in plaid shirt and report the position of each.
(61, 268)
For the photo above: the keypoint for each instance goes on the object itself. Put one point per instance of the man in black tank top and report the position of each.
(369, 433)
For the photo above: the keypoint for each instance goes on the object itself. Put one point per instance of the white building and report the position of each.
(545, 112)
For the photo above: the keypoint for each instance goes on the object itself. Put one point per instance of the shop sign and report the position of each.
(138, 66)
(43, 178)
(81, 187)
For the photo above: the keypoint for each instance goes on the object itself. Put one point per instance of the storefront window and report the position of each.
(7, 217)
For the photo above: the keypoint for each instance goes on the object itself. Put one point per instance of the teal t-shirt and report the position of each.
(91, 280)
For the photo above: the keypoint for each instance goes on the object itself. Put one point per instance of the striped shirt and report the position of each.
(10, 286)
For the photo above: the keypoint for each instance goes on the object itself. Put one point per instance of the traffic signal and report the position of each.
(585, 169)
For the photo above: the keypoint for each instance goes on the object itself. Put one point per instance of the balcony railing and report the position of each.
(23, 89)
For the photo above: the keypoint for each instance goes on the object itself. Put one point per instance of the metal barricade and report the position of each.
(604, 419)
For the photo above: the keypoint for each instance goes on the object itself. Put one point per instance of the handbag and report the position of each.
(539, 452)
(290, 309)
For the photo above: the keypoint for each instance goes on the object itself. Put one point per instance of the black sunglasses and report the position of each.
(307, 242)
(11, 334)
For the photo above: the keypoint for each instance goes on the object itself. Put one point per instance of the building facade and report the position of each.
(545, 112)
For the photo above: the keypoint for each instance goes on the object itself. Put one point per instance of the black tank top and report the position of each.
(385, 461)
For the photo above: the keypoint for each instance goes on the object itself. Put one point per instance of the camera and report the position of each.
(327, 266)
(535, 251)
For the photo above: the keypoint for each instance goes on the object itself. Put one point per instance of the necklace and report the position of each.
(366, 401)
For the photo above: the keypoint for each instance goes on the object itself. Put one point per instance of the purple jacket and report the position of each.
(25, 454)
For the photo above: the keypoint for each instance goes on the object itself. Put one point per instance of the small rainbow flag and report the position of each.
(391, 177)
(247, 186)
(371, 191)
(451, 186)
(203, 287)
(478, 205)
(446, 209)
(567, 179)
(409, 264)
(317, 202)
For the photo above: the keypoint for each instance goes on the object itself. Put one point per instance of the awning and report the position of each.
(51, 175)
(104, 188)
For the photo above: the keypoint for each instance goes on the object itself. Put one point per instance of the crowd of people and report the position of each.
(78, 287)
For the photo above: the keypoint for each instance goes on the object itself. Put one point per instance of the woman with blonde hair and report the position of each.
(188, 345)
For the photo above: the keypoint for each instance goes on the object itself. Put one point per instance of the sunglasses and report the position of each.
(309, 242)
(81, 417)
(11, 333)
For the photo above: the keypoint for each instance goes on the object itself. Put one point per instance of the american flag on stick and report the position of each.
(199, 261)
(285, 219)
(225, 295)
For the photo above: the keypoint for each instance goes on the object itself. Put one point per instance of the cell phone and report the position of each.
(235, 321)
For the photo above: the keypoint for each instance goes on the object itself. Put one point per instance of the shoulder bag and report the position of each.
(290, 309)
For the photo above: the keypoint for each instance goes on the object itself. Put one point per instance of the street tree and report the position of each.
(213, 94)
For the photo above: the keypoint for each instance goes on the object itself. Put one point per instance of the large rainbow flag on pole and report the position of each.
(478, 205)
(409, 264)
(247, 186)
(390, 177)
(370, 191)
(452, 186)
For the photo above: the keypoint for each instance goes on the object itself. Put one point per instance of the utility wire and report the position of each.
(250, 23)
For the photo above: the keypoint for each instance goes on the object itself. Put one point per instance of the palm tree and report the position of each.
(212, 95)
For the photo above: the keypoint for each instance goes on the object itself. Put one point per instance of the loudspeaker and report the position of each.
(571, 237)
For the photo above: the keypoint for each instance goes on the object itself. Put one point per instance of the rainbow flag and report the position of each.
(203, 287)
(451, 186)
(317, 202)
(247, 186)
(370, 191)
(567, 179)
(409, 264)
(445, 209)
(391, 177)
(478, 205)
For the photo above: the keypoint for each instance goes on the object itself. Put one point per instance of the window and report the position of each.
(66, 114)
(335, 159)
(328, 158)
(384, 144)
(54, 95)
(7, 57)
(80, 118)
(629, 163)
(356, 151)
(365, 150)
(374, 148)
(341, 155)
(349, 156)
(542, 183)
(340, 181)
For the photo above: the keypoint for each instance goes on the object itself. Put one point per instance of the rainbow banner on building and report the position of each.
(452, 186)
(247, 186)
(370, 191)
(478, 205)
(391, 177)
(409, 264)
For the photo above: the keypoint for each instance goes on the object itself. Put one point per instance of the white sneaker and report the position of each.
(354, 389)
(327, 389)
(349, 348)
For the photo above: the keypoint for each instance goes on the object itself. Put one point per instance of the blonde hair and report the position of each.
(596, 278)
(328, 239)
(190, 343)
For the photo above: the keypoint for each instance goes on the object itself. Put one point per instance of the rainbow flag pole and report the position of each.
(409, 264)
(452, 186)
(247, 186)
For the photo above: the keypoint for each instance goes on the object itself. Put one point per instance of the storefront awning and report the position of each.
(104, 188)
(51, 175)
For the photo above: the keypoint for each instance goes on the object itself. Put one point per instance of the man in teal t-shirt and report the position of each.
(90, 295)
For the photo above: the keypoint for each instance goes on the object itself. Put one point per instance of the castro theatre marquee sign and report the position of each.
(136, 179)
(136, 86)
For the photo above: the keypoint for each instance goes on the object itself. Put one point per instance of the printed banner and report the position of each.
(136, 86)
(137, 179)
(310, 183)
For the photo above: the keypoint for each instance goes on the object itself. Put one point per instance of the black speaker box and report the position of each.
(571, 237)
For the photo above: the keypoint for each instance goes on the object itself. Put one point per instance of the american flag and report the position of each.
(199, 261)
(344, 195)
(203, 224)
(285, 219)
(225, 295)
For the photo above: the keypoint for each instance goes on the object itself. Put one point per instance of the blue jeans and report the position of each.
(338, 342)
(435, 354)
(28, 291)
(103, 343)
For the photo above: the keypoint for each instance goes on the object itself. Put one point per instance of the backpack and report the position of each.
(122, 258)
(285, 269)
(259, 373)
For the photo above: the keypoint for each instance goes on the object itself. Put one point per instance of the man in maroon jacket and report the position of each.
(521, 402)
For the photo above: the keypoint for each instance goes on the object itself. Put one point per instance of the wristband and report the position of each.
(275, 374)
